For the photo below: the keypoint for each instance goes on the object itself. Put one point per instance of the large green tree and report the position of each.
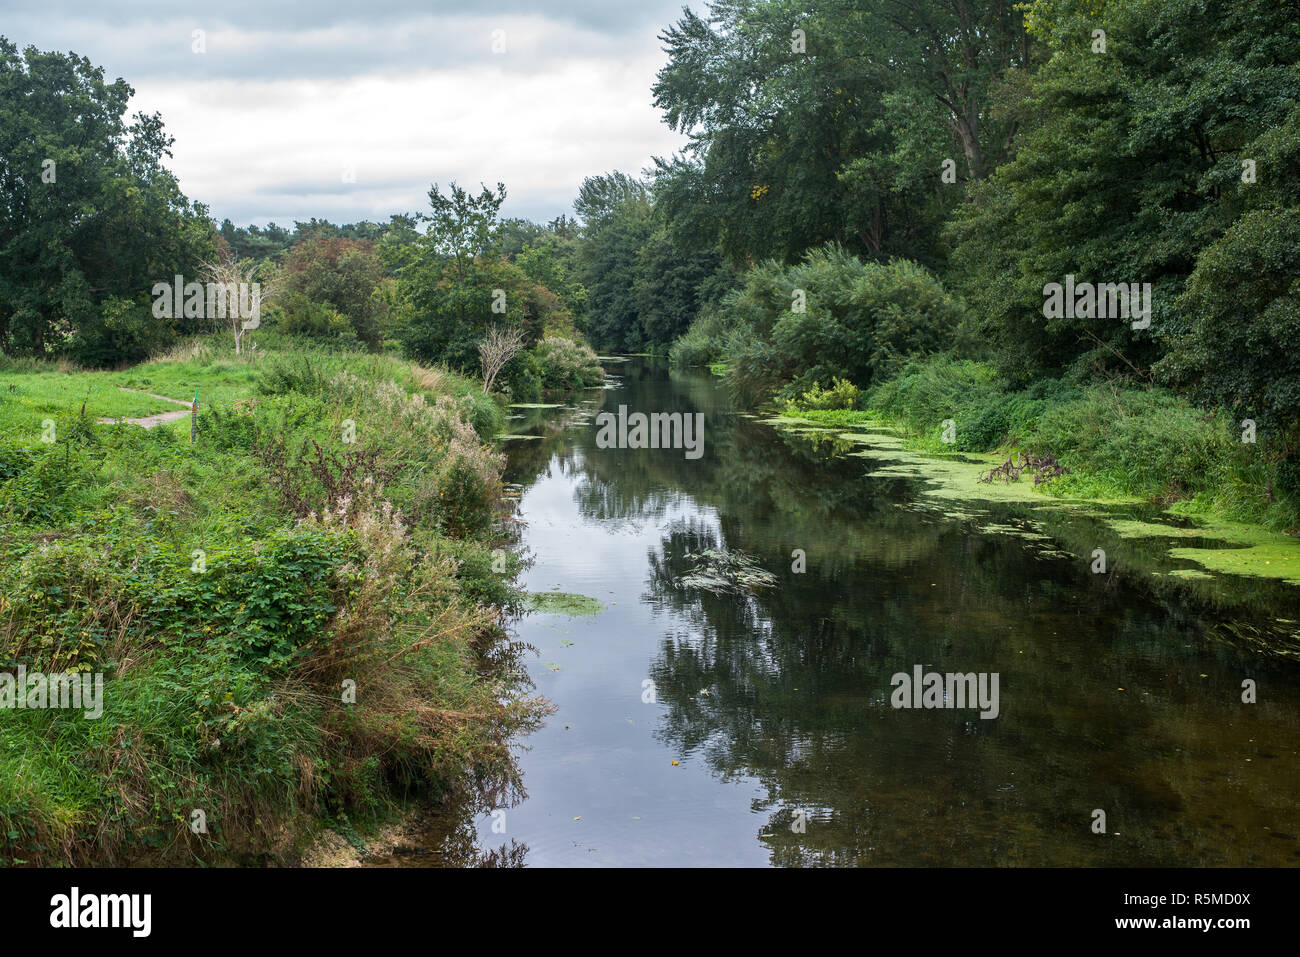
(844, 120)
(90, 219)
(618, 221)
(1127, 166)
(1232, 339)
(644, 286)
(552, 259)
(446, 286)
(453, 281)
(342, 273)
(673, 284)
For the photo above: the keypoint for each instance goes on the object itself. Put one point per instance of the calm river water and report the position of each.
(701, 730)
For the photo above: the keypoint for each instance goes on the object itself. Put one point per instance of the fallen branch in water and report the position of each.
(1044, 469)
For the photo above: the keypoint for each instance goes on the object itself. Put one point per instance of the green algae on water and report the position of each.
(1217, 546)
(564, 603)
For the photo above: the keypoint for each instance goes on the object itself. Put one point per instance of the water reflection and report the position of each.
(1119, 692)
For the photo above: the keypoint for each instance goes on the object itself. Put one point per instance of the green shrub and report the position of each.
(14, 459)
(567, 365)
(703, 343)
(300, 316)
(927, 393)
(43, 491)
(841, 395)
(1141, 441)
(458, 490)
(522, 377)
(831, 315)
(123, 332)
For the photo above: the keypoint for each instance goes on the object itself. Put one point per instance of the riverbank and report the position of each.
(297, 618)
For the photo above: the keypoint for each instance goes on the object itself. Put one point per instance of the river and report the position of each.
(759, 730)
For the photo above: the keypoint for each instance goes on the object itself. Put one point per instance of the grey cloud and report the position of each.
(607, 16)
(273, 70)
(163, 49)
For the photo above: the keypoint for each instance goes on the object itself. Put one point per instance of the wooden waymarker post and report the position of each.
(194, 417)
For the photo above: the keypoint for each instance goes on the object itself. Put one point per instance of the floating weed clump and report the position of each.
(564, 603)
(725, 573)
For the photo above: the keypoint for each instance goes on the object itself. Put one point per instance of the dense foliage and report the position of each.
(1151, 143)
(341, 274)
(89, 217)
(831, 316)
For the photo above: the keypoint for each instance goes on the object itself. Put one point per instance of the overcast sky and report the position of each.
(349, 111)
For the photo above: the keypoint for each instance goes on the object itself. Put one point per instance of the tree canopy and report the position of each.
(89, 217)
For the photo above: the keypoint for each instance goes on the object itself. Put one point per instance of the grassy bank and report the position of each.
(297, 618)
(1185, 479)
(1117, 440)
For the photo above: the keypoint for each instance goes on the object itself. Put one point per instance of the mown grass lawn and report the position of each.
(30, 393)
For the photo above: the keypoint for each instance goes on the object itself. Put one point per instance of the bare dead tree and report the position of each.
(234, 295)
(498, 347)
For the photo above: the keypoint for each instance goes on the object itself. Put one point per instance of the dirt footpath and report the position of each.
(149, 421)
